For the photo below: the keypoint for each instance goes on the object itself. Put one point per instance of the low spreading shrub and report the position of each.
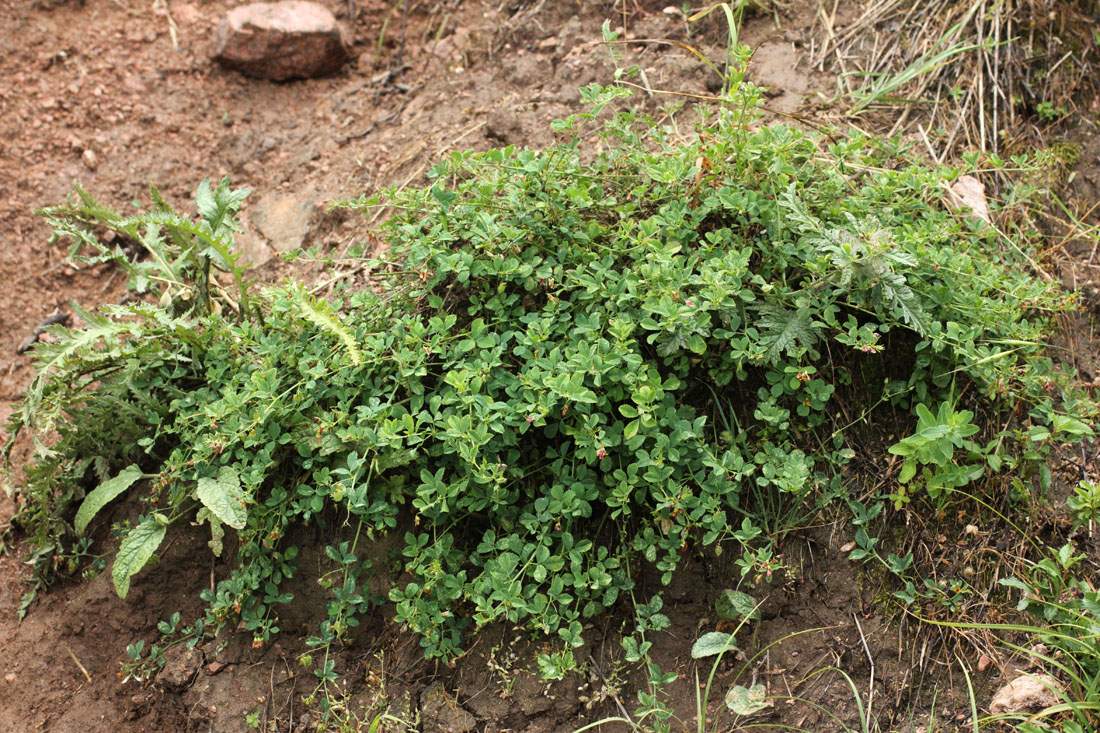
(584, 360)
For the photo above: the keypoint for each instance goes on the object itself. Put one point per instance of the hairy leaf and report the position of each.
(711, 643)
(103, 494)
(223, 497)
(135, 550)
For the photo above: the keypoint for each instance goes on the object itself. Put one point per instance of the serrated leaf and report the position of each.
(103, 494)
(204, 200)
(733, 605)
(135, 550)
(711, 643)
(748, 700)
(223, 497)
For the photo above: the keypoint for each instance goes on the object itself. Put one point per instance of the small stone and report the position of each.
(134, 84)
(293, 39)
(90, 159)
(214, 667)
(10, 677)
(848, 547)
(1026, 694)
(983, 662)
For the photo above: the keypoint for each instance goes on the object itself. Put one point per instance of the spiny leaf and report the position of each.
(784, 330)
(319, 313)
(103, 494)
(139, 545)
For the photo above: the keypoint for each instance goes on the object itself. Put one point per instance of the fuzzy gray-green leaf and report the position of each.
(711, 643)
(103, 494)
(223, 497)
(733, 605)
(139, 545)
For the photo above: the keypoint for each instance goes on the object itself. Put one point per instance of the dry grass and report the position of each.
(991, 75)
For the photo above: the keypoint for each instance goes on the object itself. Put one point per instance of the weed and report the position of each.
(534, 406)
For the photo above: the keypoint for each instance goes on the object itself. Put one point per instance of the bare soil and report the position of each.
(121, 95)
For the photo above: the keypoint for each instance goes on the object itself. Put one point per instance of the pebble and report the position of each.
(1026, 694)
(90, 159)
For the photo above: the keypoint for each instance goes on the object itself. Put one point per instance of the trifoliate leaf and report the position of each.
(102, 495)
(135, 550)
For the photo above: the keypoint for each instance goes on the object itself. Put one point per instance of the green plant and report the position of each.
(1060, 590)
(1047, 112)
(1085, 504)
(933, 447)
(881, 88)
(534, 404)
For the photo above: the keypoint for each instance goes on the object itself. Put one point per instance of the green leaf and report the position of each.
(748, 700)
(733, 605)
(223, 497)
(711, 643)
(630, 430)
(908, 471)
(135, 550)
(102, 495)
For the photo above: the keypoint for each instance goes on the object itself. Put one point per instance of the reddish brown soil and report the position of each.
(119, 95)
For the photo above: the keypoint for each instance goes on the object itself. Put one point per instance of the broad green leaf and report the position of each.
(733, 605)
(908, 471)
(630, 430)
(711, 643)
(747, 700)
(135, 550)
(223, 497)
(102, 495)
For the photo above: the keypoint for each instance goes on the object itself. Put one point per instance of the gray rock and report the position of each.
(293, 39)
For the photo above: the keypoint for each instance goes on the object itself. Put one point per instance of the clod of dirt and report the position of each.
(1026, 694)
(293, 39)
(284, 220)
(180, 667)
(442, 713)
